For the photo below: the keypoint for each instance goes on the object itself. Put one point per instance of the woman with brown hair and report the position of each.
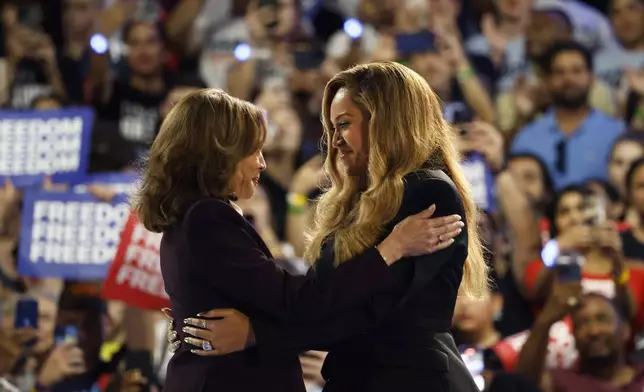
(390, 156)
(208, 154)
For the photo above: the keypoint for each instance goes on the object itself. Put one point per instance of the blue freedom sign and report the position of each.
(69, 235)
(34, 144)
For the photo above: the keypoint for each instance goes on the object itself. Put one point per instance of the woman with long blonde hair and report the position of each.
(390, 156)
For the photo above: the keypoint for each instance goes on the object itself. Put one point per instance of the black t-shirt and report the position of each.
(633, 249)
(137, 113)
(73, 73)
(29, 82)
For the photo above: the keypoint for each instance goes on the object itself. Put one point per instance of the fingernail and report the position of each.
(458, 230)
(201, 314)
(432, 206)
(184, 329)
(193, 351)
(185, 340)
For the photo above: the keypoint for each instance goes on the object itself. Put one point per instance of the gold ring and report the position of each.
(204, 324)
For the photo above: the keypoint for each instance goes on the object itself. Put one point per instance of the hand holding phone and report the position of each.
(568, 268)
(65, 334)
(65, 360)
(565, 296)
(596, 210)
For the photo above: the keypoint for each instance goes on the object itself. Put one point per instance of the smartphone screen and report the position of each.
(599, 209)
(65, 333)
(26, 313)
(568, 268)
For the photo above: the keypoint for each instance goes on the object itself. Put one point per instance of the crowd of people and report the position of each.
(545, 102)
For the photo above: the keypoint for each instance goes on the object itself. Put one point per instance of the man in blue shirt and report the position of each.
(573, 139)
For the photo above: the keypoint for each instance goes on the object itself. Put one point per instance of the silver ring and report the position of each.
(206, 345)
(204, 324)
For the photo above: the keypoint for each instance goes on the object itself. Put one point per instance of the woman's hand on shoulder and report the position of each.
(420, 234)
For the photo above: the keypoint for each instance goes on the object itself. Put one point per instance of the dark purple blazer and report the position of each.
(213, 259)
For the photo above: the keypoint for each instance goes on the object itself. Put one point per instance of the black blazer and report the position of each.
(214, 259)
(401, 340)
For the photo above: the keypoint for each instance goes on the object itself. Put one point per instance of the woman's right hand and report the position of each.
(420, 234)
(171, 333)
(575, 238)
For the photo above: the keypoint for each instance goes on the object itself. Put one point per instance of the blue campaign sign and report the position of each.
(481, 181)
(34, 144)
(125, 182)
(69, 235)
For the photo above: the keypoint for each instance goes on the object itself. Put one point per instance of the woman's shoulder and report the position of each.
(211, 209)
(431, 184)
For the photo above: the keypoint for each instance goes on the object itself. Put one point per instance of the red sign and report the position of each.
(135, 274)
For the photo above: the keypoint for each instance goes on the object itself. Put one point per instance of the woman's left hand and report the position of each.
(219, 332)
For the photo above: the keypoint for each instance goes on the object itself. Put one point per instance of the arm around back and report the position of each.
(226, 254)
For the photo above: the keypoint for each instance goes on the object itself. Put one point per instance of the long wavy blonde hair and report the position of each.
(406, 132)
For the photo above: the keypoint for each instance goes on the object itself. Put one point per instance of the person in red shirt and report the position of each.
(604, 271)
(601, 332)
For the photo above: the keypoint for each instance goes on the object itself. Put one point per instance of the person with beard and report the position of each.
(573, 139)
(601, 334)
(134, 98)
(523, 96)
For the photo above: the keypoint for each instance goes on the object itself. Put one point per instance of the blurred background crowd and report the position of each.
(547, 96)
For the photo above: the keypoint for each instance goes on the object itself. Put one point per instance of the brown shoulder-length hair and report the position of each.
(406, 133)
(200, 143)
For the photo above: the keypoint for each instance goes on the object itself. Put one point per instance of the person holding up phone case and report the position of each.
(584, 247)
(64, 361)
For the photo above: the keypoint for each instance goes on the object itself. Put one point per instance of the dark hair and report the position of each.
(129, 26)
(201, 141)
(558, 48)
(611, 191)
(559, 13)
(620, 310)
(630, 136)
(630, 174)
(551, 211)
(548, 183)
